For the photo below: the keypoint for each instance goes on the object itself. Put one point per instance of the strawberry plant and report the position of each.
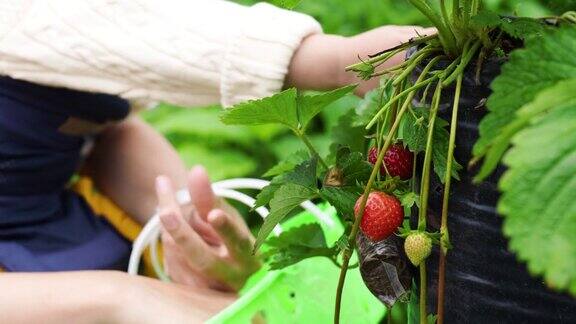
(387, 154)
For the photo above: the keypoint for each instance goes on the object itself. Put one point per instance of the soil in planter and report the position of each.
(484, 281)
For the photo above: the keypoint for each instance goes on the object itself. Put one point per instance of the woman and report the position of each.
(78, 68)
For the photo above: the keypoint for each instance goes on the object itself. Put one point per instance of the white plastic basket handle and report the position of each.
(225, 189)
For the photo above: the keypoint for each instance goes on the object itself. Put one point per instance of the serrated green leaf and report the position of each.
(267, 193)
(279, 108)
(311, 105)
(303, 174)
(345, 134)
(355, 169)
(286, 198)
(516, 27)
(342, 198)
(309, 235)
(486, 19)
(547, 99)
(538, 196)
(440, 145)
(287, 165)
(522, 27)
(373, 100)
(408, 199)
(544, 62)
(413, 130)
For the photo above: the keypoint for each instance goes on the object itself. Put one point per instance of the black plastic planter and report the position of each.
(484, 281)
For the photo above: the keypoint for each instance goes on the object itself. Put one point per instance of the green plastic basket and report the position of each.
(304, 292)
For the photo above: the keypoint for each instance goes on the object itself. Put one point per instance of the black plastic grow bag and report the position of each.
(484, 281)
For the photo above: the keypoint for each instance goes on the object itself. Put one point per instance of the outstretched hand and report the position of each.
(206, 242)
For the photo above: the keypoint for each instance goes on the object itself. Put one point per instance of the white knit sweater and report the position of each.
(185, 52)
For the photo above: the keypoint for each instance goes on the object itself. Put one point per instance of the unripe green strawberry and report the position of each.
(382, 216)
(418, 247)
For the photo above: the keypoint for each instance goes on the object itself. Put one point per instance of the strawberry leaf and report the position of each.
(440, 151)
(413, 132)
(287, 165)
(303, 174)
(538, 196)
(373, 100)
(546, 100)
(414, 129)
(311, 105)
(544, 62)
(287, 108)
(342, 198)
(286, 198)
(355, 169)
(297, 244)
(346, 134)
(277, 109)
(520, 28)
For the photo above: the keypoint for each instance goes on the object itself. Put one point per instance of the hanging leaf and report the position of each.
(303, 174)
(311, 105)
(538, 196)
(297, 244)
(279, 108)
(544, 62)
(287, 198)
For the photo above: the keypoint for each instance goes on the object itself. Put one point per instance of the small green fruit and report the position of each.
(418, 247)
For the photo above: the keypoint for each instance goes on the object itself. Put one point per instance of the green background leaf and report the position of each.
(286, 199)
(279, 108)
(544, 62)
(538, 200)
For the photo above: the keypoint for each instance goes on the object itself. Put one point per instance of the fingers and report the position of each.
(197, 251)
(166, 196)
(201, 192)
(235, 236)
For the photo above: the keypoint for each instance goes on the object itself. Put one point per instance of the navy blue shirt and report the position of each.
(43, 225)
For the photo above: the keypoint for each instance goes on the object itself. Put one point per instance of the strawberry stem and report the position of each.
(424, 192)
(425, 182)
(311, 148)
(347, 253)
(445, 201)
(423, 290)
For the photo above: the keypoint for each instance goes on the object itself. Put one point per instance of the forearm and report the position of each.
(125, 162)
(66, 297)
(321, 60)
(183, 52)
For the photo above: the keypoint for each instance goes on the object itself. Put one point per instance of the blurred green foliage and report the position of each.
(228, 151)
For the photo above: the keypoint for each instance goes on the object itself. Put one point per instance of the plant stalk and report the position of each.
(466, 58)
(385, 54)
(311, 148)
(444, 33)
(424, 192)
(347, 254)
(445, 201)
(423, 292)
(422, 55)
(419, 84)
(425, 182)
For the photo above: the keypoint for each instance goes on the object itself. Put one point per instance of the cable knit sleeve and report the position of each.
(185, 52)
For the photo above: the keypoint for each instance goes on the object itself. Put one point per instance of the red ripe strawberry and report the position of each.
(398, 160)
(382, 216)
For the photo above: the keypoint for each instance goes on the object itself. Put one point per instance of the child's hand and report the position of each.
(206, 243)
(320, 61)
